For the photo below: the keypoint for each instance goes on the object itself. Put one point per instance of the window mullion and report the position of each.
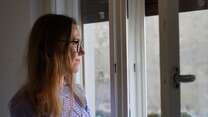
(119, 101)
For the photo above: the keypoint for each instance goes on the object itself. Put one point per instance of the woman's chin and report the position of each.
(76, 69)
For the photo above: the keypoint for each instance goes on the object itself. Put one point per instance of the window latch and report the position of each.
(178, 78)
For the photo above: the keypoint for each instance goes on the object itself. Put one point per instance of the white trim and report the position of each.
(137, 56)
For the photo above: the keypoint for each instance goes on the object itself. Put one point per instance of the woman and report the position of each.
(53, 56)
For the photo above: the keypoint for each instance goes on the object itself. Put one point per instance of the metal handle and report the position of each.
(183, 78)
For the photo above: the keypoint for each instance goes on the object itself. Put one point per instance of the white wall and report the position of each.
(16, 18)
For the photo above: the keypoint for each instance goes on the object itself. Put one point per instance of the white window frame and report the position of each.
(135, 51)
(137, 58)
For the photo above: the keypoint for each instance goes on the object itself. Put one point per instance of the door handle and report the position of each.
(183, 78)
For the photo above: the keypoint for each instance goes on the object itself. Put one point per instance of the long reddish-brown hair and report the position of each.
(48, 60)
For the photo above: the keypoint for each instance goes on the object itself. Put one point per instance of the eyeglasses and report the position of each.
(77, 44)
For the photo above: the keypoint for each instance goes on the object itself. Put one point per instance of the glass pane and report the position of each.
(96, 36)
(152, 66)
(194, 60)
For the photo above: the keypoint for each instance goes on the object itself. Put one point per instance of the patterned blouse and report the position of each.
(19, 105)
(78, 111)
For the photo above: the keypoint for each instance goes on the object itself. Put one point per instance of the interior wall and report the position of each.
(16, 19)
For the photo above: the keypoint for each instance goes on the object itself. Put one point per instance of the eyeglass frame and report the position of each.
(79, 44)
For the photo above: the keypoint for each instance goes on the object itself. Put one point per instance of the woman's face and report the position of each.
(78, 51)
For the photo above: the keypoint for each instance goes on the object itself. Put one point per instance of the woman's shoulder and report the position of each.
(78, 90)
(19, 105)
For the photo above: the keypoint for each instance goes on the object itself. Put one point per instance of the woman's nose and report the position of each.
(81, 51)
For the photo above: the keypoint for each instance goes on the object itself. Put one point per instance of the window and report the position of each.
(143, 70)
(153, 66)
(97, 60)
(194, 60)
(97, 74)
